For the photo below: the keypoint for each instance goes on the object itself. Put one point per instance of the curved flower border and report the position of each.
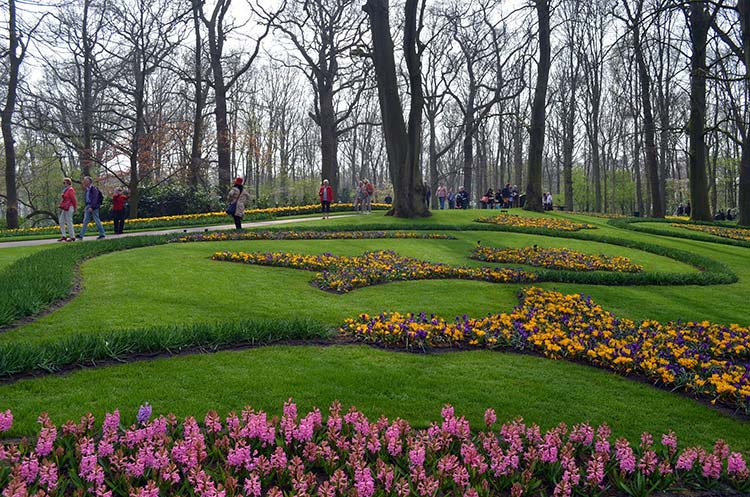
(740, 234)
(342, 274)
(556, 258)
(515, 221)
(706, 358)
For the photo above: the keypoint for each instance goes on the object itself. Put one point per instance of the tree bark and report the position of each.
(743, 6)
(649, 128)
(699, 25)
(14, 64)
(329, 142)
(538, 111)
(402, 144)
(86, 153)
(196, 147)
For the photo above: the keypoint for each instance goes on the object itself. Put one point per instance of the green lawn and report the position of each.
(178, 283)
(395, 384)
(8, 255)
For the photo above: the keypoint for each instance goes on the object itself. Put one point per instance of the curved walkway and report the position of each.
(192, 229)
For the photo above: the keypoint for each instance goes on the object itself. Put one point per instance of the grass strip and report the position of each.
(121, 346)
(32, 283)
(632, 224)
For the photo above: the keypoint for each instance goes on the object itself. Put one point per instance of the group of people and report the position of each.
(363, 197)
(457, 200)
(93, 199)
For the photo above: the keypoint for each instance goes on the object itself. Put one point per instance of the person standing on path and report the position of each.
(369, 193)
(238, 196)
(441, 193)
(326, 197)
(68, 206)
(118, 210)
(93, 198)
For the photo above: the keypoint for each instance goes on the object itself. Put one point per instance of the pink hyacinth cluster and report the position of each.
(347, 454)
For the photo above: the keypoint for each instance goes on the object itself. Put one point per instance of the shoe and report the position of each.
(100, 237)
(80, 237)
(70, 240)
(63, 239)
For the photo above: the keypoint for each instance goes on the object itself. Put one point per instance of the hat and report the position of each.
(238, 181)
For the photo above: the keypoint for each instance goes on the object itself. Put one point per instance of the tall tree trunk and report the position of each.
(86, 153)
(596, 167)
(538, 109)
(196, 148)
(649, 128)
(14, 64)
(138, 148)
(743, 6)
(699, 25)
(328, 139)
(433, 153)
(568, 145)
(402, 144)
(517, 157)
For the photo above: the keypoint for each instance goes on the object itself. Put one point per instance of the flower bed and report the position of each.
(740, 234)
(196, 219)
(556, 258)
(342, 274)
(309, 235)
(706, 358)
(347, 454)
(535, 222)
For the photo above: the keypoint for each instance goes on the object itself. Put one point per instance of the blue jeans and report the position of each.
(442, 202)
(87, 219)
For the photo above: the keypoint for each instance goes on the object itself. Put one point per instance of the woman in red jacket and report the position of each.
(326, 196)
(118, 210)
(68, 206)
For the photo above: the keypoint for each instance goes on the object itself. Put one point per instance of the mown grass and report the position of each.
(9, 255)
(411, 386)
(179, 283)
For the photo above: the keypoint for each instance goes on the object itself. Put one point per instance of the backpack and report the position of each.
(99, 197)
(370, 188)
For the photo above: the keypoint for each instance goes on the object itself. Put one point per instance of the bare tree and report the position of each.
(18, 42)
(492, 71)
(219, 27)
(403, 144)
(323, 35)
(634, 22)
(538, 110)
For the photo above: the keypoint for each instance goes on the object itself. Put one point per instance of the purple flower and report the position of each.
(6, 420)
(144, 414)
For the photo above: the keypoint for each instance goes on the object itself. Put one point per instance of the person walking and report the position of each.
(68, 205)
(451, 199)
(238, 197)
(326, 197)
(118, 210)
(367, 199)
(359, 197)
(441, 193)
(93, 198)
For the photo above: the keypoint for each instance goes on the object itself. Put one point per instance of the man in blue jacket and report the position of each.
(93, 199)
